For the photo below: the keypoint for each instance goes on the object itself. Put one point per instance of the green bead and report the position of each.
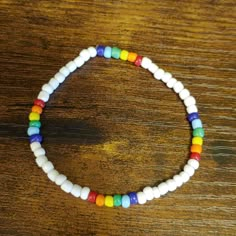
(35, 123)
(198, 132)
(117, 200)
(115, 52)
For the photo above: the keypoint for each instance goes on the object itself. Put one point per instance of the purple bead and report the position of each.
(133, 198)
(36, 138)
(100, 50)
(193, 116)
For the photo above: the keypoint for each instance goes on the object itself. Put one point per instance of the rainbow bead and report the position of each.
(109, 201)
(100, 200)
(133, 198)
(35, 123)
(117, 200)
(115, 52)
(124, 55)
(125, 201)
(34, 116)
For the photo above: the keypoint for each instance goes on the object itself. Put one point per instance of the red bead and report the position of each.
(39, 102)
(138, 60)
(195, 155)
(92, 196)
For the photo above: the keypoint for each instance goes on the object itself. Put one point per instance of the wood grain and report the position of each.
(111, 126)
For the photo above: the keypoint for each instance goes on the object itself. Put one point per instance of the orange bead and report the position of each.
(132, 56)
(196, 148)
(100, 200)
(37, 109)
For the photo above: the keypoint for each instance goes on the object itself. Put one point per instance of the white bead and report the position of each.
(171, 83)
(153, 68)
(39, 152)
(189, 170)
(163, 188)
(54, 83)
(76, 190)
(146, 62)
(185, 176)
(67, 186)
(34, 146)
(59, 77)
(189, 101)
(166, 77)
(60, 179)
(184, 94)
(158, 74)
(172, 186)
(79, 61)
(85, 54)
(52, 175)
(84, 193)
(178, 87)
(156, 192)
(179, 180)
(47, 88)
(65, 71)
(47, 166)
(141, 198)
(194, 163)
(192, 109)
(41, 160)
(71, 66)
(148, 193)
(43, 96)
(92, 51)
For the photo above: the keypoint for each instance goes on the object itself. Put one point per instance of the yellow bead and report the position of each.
(197, 140)
(34, 116)
(109, 201)
(124, 55)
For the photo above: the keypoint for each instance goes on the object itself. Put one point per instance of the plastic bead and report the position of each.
(132, 56)
(196, 148)
(100, 50)
(170, 84)
(133, 198)
(76, 190)
(195, 155)
(33, 130)
(92, 197)
(184, 94)
(115, 52)
(189, 170)
(79, 61)
(54, 83)
(71, 66)
(65, 71)
(107, 52)
(156, 192)
(178, 87)
(39, 102)
(36, 138)
(39, 152)
(197, 123)
(35, 123)
(197, 140)
(67, 186)
(60, 77)
(117, 200)
(34, 116)
(100, 200)
(60, 179)
(193, 116)
(163, 188)
(191, 109)
(37, 109)
(43, 96)
(125, 201)
(141, 198)
(92, 52)
(53, 174)
(194, 163)
(172, 185)
(148, 193)
(109, 201)
(152, 68)
(199, 132)
(47, 88)
(47, 166)
(85, 193)
(138, 61)
(159, 73)
(85, 54)
(34, 146)
(146, 62)
(124, 55)
(178, 180)
(166, 77)
(185, 177)
(189, 101)
(41, 160)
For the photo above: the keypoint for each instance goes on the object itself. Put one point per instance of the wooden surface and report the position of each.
(111, 126)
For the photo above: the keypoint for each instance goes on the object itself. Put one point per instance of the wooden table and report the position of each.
(111, 126)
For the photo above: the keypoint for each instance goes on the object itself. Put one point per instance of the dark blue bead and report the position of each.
(193, 116)
(133, 198)
(36, 138)
(100, 50)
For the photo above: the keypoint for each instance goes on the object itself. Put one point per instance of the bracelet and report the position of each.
(131, 198)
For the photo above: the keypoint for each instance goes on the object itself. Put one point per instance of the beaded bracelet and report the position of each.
(131, 198)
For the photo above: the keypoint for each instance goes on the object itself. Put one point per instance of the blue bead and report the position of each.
(197, 123)
(125, 201)
(107, 52)
(33, 130)
(36, 138)
(133, 198)
(193, 116)
(100, 50)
